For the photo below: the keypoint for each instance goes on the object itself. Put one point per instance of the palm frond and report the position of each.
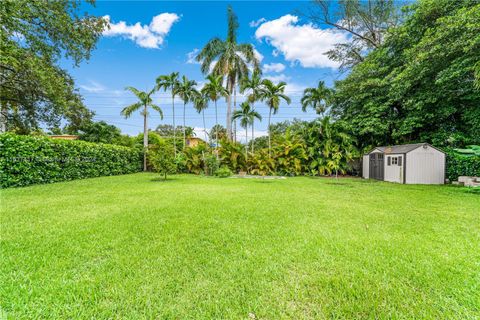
(158, 109)
(127, 111)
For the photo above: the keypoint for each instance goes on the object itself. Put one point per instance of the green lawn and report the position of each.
(133, 247)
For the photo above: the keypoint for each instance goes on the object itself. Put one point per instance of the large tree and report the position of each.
(420, 84)
(366, 21)
(34, 90)
(229, 59)
(317, 98)
(187, 92)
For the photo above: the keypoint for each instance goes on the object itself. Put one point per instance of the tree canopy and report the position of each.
(35, 35)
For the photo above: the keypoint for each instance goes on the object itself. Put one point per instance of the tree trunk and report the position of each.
(145, 138)
(216, 129)
(246, 142)
(184, 136)
(269, 134)
(174, 128)
(253, 138)
(3, 119)
(229, 116)
(234, 109)
(204, 127)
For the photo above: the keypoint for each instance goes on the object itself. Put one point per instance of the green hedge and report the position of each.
(460, 165)
(26, 160)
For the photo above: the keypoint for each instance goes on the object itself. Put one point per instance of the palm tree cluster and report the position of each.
(229, 67)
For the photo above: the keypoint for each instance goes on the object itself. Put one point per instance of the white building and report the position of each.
(418, 163)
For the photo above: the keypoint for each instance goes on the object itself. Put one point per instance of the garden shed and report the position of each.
(418, 163)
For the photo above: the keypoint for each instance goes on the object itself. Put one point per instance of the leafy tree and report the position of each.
(366, 21)
(419, 86)
(289, 153)
(214, 90)
(232, 155)
(144, 102)
(100, 132)
(230, 60)
(316, 98)
(272, 94)
(34, 90)
(170, 82)
(187, 92)
(162, 159)
(247, 116)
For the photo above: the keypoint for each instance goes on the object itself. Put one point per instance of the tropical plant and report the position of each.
(316, 98)
(144, 102)
(262, 163)
(187, 92)
(232, 155)
(229, 59)
(170, 82)
(289, 154)
(253, 85)
(272, 94)
(247, 116)
(195, 158)
(214, 90)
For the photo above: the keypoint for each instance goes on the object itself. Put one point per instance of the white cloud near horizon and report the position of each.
(93, 87)
(191, 56)
(273, 67)
(277, 78)
(256, 23)
(149, 36)
(305, 44)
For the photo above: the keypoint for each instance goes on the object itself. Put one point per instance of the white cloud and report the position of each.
(191, 56)
(256, 23)
(278, 78)
(93, 87)
(273, 67)
(146, 36)
(305, 44)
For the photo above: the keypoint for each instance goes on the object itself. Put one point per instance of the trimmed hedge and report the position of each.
(460, 165)
(26, 160)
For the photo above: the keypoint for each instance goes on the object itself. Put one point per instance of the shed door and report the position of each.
(376, 166)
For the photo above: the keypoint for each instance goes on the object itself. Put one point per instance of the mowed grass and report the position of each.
(135, 247)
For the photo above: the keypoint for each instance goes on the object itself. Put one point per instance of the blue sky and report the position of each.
(151, 38)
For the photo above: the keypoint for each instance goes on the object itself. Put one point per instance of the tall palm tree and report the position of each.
(170, 82)
(200, 103)
(144, 101)
(214, 89)
(316, 98)
(187, 92)
(254, 86)
(247, 116)
(230, 59)
(272, 94)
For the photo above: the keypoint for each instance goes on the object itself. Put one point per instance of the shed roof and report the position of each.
(403, 148)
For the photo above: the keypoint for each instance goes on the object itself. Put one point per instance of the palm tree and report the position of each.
(214, 89)
(254, 85)
(170, 82)
(316, 98)
(230, 59)
(200, 103)
(187, 92)
(271, 94)
(145, 101)
(247, 116)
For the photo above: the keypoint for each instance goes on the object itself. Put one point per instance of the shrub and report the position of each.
(460, 165)
(26, 160)
(162, 159)
(223, 172)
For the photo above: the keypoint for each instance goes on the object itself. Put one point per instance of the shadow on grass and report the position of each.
(161, 179)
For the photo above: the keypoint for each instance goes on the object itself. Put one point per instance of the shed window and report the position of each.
(394, 161)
